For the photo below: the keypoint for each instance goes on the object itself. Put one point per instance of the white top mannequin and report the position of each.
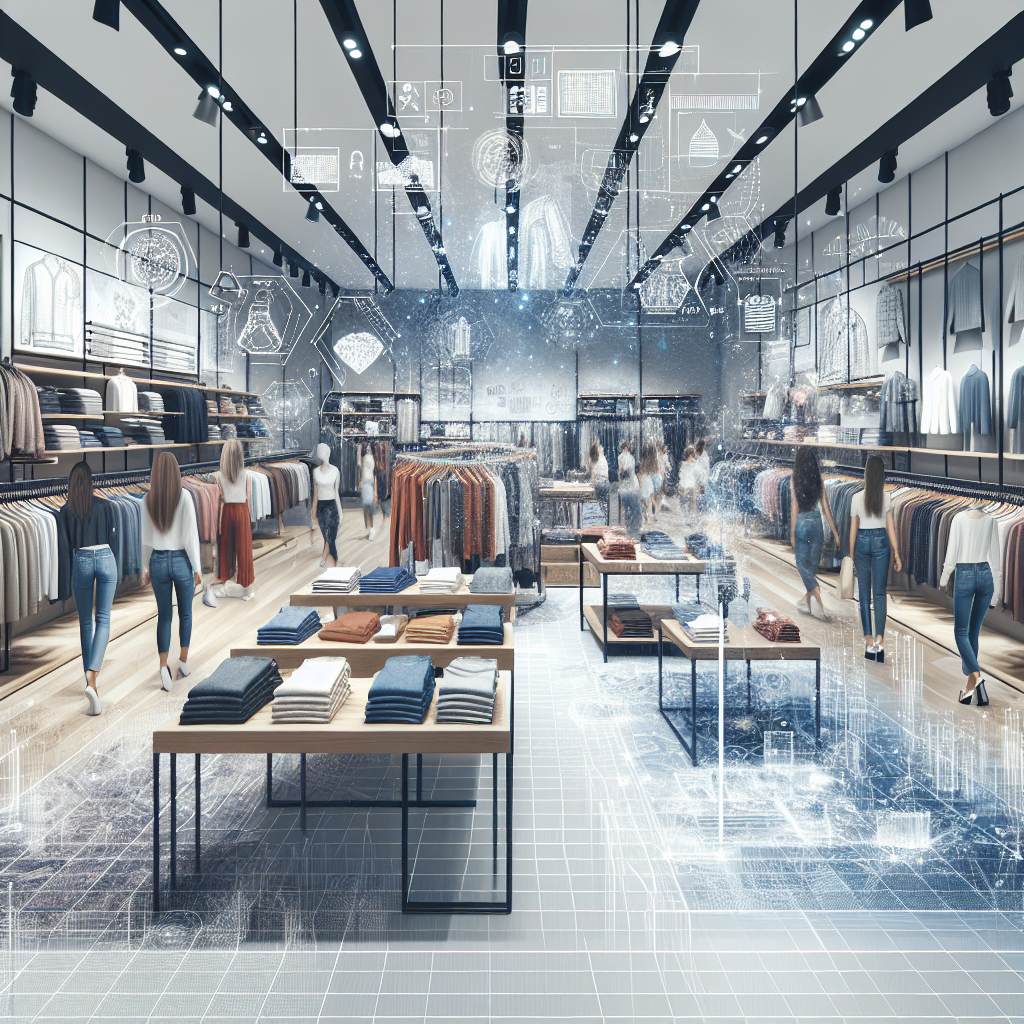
(327, 477)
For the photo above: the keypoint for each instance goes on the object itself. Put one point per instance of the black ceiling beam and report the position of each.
(825, 66)
(22, 50)
(512, 65)
(355, 45)
(998, 52)
(666, 46)
(171, 36)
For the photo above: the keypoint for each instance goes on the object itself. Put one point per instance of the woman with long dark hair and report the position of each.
(599, 475)
(806, 533)
(87, 533)
(170, 556)
(872, 543)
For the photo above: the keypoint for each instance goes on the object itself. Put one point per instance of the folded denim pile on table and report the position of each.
(775, 627)
(110, 436)
(628, 623)
(314, 691)
(342, 579)
(481, 624)
(659, 544)
(618, 548)
(289, 626)
(492, 580)
(441, 581)
(352, 628)
(466, 693)
(430, 629)
(391, 628)
(232, 693)
(391, 580)
(401, 691)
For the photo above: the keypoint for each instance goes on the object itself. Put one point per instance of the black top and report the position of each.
(73, 532)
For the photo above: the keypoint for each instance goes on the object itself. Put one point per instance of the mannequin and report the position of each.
(326, 505)
(234, 539)
(367, 487)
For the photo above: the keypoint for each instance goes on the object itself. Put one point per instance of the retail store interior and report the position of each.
(511, 512)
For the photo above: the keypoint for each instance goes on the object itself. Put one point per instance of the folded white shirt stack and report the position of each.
(704, 629)
(342, 579)
(465, 693)
(441, 581)
(391, 628)
(314, 691)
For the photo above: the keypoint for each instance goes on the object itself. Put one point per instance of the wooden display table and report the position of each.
(347, 734)
(412, 597)
(642, 565)
(744, 645)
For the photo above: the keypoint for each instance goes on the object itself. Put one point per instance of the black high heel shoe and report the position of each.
(982, 694)
(880, 655)
(966, 696)
(870, 654)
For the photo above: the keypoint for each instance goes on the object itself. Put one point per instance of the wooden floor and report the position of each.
(45, 715)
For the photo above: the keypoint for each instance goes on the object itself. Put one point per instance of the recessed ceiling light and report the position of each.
(669, 49)
(737, 169)
(213, 91)
(761, 141)
(511, 46)
(858, 33)
(848, 46)
(634, 138)
(262, 140)
(180, 51)
(866, 24)
(349, 44)
(355, 54)
(706, 206)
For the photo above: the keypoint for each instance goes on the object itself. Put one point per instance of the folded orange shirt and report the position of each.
(352, 628)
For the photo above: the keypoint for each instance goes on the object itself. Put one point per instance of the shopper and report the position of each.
(703, 465)
(666, 475)
(629, 490)
(973, 555)
(650, 480)
(170, 557)
(872, 543)
(806, 533)
(368, 487)
(234, 542)
(87, 533)
(687, 484)
(599, 475)
(326, 503)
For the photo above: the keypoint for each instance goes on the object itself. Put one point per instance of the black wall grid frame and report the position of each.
(23, 50)
(168, 33)
(512, 65)
(824, 67)
(355, 45)
(666, 45)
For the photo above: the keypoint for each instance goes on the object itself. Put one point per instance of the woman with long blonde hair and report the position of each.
(170, 558)
(234, 542)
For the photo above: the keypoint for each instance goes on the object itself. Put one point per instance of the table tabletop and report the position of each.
(642, 565)
(744, 644)
(411, 597)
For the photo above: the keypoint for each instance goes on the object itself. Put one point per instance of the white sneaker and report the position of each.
(371, 534)
(208, 599)
(95, 707)
(165, 678)
(183, 670)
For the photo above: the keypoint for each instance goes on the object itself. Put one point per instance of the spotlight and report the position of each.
(108, 12)
(278, 259)
(832, 201)
(808, 110)
(136, 166)
(23, 92)
(669, 49)
(293, 270)
(887, 166)
(780, 232)
(180, 51)
(389, 130)
(188, 201)
(349, 44)
(313, 211)
(262, 138)
(848, 46)
(511, 46)
(206, 109)
(1000, 92)
(323, 285)
(916, 12)
(305, 278)
(355, 54)
(714, 212)
(243, 236)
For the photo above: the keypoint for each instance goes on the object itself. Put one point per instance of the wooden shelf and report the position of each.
(876, 448)
(116, 448)
(238, 416)
(59, 371)
(141, 414)
(856, 385)
(57, 417)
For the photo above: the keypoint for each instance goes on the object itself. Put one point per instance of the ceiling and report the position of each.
(745, 48)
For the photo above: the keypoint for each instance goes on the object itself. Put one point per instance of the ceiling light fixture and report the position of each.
(262, 138)
(108, 12)
(866, 24)
(278, 258)
(669, 49)
(188, 201)
(313, 211)
(293, 269)
(809, 110)
(887, 166)
(23, 92)
(761, 140)
(349, 44)
(511, 46)
(136, 166)
(916, 12)
(206, 109)
(999, 92)
(180, 51)
(305, 278)
(355, 54)
(243, 236)
(634, 137)
(848, 45)
(858, 34)
(389, 130)
(833, 201)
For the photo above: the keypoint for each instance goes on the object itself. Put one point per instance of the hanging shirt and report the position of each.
(965, 308)
(890, 317)
(975, 403)
(938, 415)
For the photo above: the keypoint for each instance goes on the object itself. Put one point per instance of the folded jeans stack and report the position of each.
(87, 439)
(430, 629)
(775, 627)
(232, 693)
(481, 624)
(343, 579)
(110, 436)
(466, 693)
(659, 544)
(441, 581)
(401, 691)
(313, 693)
(49, 400)
(492, 580)
(352, 628)
(289, 626)
(391, 580)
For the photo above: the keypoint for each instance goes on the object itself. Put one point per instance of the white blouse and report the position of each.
(183, 534)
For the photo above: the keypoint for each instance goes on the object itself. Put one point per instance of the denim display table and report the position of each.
(745, 645)
(348, 734)
(410, 598)
(642, 565)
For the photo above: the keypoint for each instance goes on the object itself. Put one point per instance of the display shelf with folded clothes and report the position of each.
(289, 626)
(630, 623)
(402, 691)
(481, 624)
(441, 581)
(352, 628)
(466, 692)
(392, 627)
(313, 693)
(341, 579)
(232, 693)
(431, 629)
(386, 580)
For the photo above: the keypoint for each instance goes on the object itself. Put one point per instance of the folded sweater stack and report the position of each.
(492, 580)
(352, 628)
(401, 691)
(289, 626)
(619, 548)
(441, 581)
(314, 692)
(481, 624)
(342, 579)
(386, 581)
(466, 694)
(430, 629)
(775, 627)
(232, 693)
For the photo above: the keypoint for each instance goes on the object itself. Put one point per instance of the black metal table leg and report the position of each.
(697, 579)
(302, 793)
(174, 819)
(199, 781)
(817, 700)
(660, 636)
(494, 811)
(677, 588)
(604, 614)
(270, 779)
(581, 583)
(419, 778)
(156, 833)
(405, 832)
(508, 834)
(748, 684)
(693, 710)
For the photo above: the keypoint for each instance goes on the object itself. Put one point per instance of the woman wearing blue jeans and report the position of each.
(872, 543)
(806, 534)
(170, 550)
